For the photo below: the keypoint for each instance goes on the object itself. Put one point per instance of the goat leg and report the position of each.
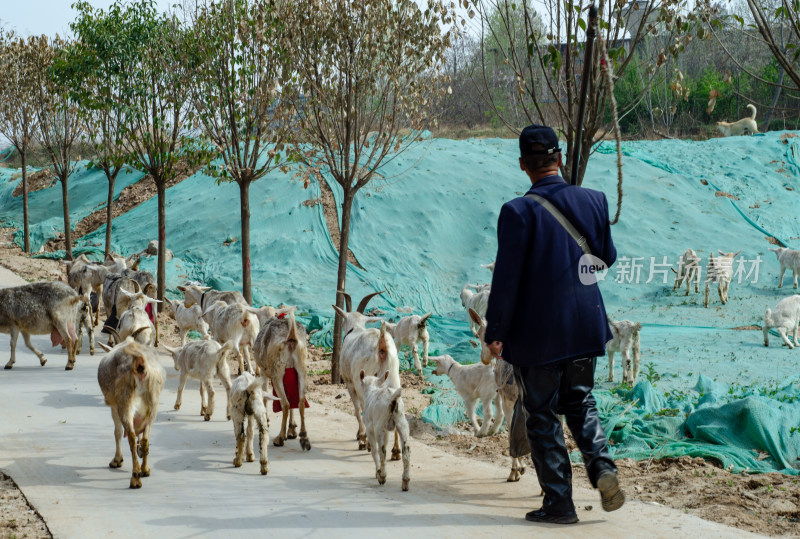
(396, 449)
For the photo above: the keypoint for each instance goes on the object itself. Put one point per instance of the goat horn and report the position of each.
(348, 301)
(365, 301)
(138, 331)
(113, 333)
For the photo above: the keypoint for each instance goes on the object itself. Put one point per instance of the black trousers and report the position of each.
(562, 388)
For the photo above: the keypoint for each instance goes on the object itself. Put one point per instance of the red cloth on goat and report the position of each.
(292, 391)
(149, 310)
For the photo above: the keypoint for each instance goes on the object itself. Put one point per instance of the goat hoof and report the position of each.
(362, 446)
(305, 444)
(115, 463)
(521, 470)
(145, 472)
(69, 366)
(278, 442)
(264, 468)
(237, 463)
(207, 417)
(292, 434)
(380, 477)
(8, 366)
(405, 484)
(42, 361)
(136, 482)
(177, 406)
(250, 458)
(395, 454)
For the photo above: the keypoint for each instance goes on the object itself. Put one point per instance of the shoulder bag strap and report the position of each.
(571, 230)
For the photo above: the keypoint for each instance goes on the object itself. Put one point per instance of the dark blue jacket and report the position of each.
(538, 307)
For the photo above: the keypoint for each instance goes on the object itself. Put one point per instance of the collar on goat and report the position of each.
(450, 368)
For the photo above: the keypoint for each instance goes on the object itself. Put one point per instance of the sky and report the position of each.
(50, 17)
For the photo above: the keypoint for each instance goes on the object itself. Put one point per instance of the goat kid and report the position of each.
(409, 330)
(788, 259)
(625, 340)
(202, 360)
(474, 383)
(688, 271)
(785, 318)
(720, 270)
(247, 402)
(188, 318)
(384, 412)
(131, 379)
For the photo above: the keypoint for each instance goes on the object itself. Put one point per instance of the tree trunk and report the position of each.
(244, 197)
(344, 238)
(161, 188)
(67, 228)
(109, 211)
(775, 96)
(26, 233)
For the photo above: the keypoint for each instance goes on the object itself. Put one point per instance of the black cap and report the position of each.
(538, 134)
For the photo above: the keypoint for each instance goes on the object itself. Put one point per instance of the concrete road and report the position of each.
(56, 439)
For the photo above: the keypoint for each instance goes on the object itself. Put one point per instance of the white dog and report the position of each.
(745, 126)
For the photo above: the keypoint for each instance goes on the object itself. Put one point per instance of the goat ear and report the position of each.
(361, 376)
(135, 264)
(475, 317)
(386, 376)
(204, 288)
(721, 252)
(182, 288)
(737, 253)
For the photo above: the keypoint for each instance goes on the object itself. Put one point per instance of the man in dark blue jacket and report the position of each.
(546, 317)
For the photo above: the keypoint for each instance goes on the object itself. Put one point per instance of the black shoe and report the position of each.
(611, 495)
(540, 515)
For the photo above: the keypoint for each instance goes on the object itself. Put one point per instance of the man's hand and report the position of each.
(496, 347)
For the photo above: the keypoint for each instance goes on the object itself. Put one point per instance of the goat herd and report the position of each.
(270, 344)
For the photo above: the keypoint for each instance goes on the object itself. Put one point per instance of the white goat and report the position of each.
(506, 388)
(625, 340)
(131, 379)
(409, 330)
(136, 320)
(720, 270)
(473, 383)
(477, 301)
(247, 401)
(205, 296)
(788, 259)
(188, 318)
(368, 350)
(384, 412)
(201, 360)
(237, 324)
(688, 271)
(785, 318)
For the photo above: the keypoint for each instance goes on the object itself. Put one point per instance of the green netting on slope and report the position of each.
(749, 431)
(88, 190)
(425, 234)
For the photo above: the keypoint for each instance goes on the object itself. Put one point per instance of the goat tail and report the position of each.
(224, 349)
(423, 323)
(753, 108)
(395, 398)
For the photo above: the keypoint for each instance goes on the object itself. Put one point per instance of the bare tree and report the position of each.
(548, 70)
(59, 120)
(18, 120)
(367, 74)
(89, 68)
(239, 92)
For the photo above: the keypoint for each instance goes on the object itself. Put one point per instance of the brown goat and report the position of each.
(131, 379)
